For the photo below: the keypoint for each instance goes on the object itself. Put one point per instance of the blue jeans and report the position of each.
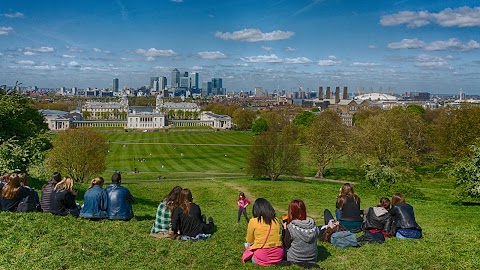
(338, 214)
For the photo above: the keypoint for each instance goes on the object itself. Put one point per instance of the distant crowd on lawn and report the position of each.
(58, 197)
(293, 240)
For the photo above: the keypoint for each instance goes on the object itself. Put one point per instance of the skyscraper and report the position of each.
(175, 77)
(162, 83)
(115, 85)
(194, 80)
(152, 81)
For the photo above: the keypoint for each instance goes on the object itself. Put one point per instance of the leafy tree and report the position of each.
(467, 174)
(80, 153)
(276, 120)
(259, 125)
(23, 137)
(274, 153)
(86, 115)
(326, 140)
(243, 119)
(304, 119)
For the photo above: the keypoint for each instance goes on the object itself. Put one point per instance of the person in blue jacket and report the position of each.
(95, 201)
(120, 200)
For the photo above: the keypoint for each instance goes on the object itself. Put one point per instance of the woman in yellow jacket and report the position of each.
(264, 235)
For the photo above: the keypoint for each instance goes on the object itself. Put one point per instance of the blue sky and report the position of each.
(420, 45)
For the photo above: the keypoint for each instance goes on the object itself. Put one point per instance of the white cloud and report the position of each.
(13, 15)
(372, 46)
(272, 58)
(460, 17)
(86, 68)
(364, 64)
(254, 35)
(197, 68)
(407, 44)
(73, 64)
(33, 51)
(152, 52)
(177, 1)
(290, 49)
(28, 53)
(211, 55)
(26, 62)
(267, 48)
(4, 31)
(298, 60)
(439, 45)
(97, 50)
(68, 56)
(428, 61)
(331, 61)
(74, 49)
(150, 59)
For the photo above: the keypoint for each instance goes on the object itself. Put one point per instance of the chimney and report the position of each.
(337, 94)
(345, 92)
(328, 95)
(320, 93)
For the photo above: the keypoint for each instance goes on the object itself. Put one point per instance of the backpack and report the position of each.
(344, 239)
(369, 237)
(29, 203)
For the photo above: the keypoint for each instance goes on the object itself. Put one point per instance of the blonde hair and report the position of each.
(97, 181)
(10, 189)
(65, 184)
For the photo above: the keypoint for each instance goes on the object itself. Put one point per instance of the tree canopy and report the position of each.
(79, 153)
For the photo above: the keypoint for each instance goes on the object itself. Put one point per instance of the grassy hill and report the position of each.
(44, 241)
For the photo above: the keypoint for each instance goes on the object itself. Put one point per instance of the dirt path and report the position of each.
(252, 198)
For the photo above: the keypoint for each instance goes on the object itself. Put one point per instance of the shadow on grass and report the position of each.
(323, 253)
(346, 174)
(144, 217)
(466, 203)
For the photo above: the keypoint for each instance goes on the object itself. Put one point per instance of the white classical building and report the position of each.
(163, 106)
(98, 110)
(146, 120)
(219, 121)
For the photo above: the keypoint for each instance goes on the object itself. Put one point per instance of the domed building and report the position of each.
(376, 97)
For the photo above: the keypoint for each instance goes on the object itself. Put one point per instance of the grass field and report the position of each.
(42, 241)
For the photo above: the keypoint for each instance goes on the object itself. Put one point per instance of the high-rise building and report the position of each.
(194, 80)
(74, 91)
(345, 92)
(184, 82)
(320, 93)
(162, 83)
(328, 93)
(175, 77)
(206, 89)
(115, 85)
(62, 91)
(152, 81)
(217, 83)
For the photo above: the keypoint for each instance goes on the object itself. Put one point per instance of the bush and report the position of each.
(467, 174)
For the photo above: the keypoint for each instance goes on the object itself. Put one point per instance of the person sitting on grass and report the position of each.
(402, 222)
(35, 199)
(264, 239)
(12, 193)
(188, 221)
(300, 234)
(348, 209)
(47, 191)
(162, 225)
(95, 201)
(377, 217)
(119, 200)
(64, 199)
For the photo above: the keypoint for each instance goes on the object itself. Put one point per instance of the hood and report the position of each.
(306, 230)
(379, 211)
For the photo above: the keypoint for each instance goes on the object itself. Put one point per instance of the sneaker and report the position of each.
(210, 220)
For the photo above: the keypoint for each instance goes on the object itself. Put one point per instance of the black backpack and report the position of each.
(29, 203)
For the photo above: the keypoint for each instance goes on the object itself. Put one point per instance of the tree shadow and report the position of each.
(144, 217)
(466, 203)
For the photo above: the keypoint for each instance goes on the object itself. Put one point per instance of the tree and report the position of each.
(274, 153)
(23, 133)
(326, 140)
(259, 125)
(79, 153)
(467, 174)
(243, 119)
(304, 119)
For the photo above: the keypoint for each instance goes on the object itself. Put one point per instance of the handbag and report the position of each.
(248, 253)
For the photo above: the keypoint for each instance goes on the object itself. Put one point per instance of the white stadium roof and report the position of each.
(376, 96)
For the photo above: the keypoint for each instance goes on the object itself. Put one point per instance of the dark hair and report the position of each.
(297, 210)
(346, 191)
(384, 202)
(241, 195)
(185, 200)
(263, 210)
(171, 200)
(56, 177)
(398, 198)
(116, 178)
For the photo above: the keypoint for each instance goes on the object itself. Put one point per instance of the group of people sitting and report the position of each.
(296, 241)
(58, 197)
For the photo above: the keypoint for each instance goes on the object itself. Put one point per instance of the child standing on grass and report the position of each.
(243, 202)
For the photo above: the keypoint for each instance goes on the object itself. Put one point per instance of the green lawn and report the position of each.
(44, 241)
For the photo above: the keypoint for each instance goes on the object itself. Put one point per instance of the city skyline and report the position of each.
(409, 46)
